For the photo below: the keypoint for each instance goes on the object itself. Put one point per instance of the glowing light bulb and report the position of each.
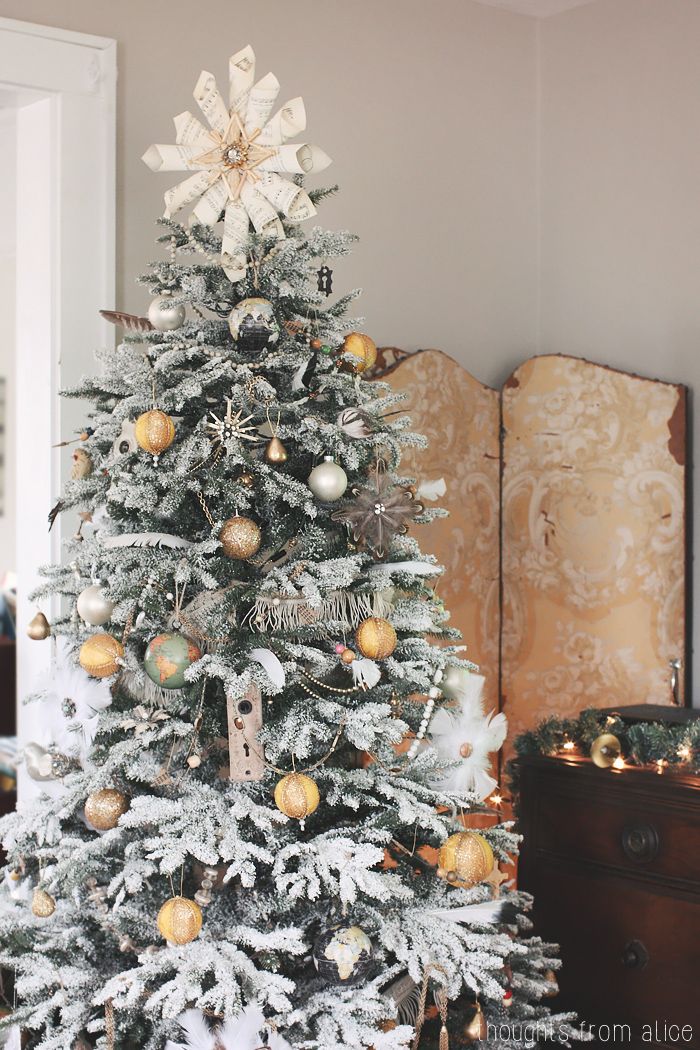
(619, 763)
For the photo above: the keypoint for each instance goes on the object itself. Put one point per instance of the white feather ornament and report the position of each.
(468, 737)
(482, 914)
(74, 701)
(145, 539)
(14, 1039)
(365, 672)
(236, 1033)
(431, 490)
(418, 568)
(270, 664)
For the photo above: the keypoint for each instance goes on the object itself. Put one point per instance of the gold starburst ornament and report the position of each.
(238, 160)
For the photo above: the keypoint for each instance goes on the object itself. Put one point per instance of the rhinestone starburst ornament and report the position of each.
(224, 433)
(238, 160)
(380, 511)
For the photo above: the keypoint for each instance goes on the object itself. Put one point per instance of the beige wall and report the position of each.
(620, 191)
(404, 100)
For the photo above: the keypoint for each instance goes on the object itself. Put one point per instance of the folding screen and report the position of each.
(581, 505)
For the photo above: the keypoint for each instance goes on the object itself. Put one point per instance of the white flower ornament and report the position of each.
(238, 159)
(467, 736)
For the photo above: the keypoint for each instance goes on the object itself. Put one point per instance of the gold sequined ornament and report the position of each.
(240, 538)
(605, 749)
(155, 431)
(376, 638)
(465, 859)
(100, 655)
(104, 808)
(362, 348)
(43, 904)
(180, 920)
(297, 796)
(38, 627)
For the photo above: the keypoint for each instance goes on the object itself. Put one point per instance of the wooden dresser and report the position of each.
(613, 861)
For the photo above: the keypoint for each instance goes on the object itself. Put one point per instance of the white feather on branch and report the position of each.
(431, 490)
(418, 568)
(236, 1033)
(270, 664)
(145, 539)
(482, 914)
(468, 737)
(365, 672)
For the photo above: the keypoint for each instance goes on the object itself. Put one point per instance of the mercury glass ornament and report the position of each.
(93, 606)
(328, 481)
(343, 955)
(165, 315)
(253, 325)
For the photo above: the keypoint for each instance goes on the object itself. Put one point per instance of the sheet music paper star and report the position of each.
(238, 161)
(495, 879)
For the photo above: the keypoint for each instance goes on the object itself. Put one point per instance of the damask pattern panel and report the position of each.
(594, 555)
(461, 419)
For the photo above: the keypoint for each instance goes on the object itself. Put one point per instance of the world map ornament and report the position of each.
(238, 161)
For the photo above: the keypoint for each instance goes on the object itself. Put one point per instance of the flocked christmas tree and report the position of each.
(232, 850)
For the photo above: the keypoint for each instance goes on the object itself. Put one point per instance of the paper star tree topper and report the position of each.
(239, 160)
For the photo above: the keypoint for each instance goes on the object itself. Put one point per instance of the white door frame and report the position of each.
(64, 87)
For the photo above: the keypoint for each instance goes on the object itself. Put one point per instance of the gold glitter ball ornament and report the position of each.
(43, 904)
(104, 808)
(240, 537)
(180, 920)
(155, 431)
(468, 856)
(376, 638)
(100, 655)
(296, 795)
(361, 347)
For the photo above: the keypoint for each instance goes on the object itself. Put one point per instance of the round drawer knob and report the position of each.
(640, 842)
(634, 955)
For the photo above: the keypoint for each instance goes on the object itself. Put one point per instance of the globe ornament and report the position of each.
(167, 658)
(328, 481)
(94, 607)
(155, 431)
(363, 350)
(165, 315)
(43, 904)
(101, 655)
(376, 638)
(253, 325)
(465, 859)
(297, 796)
(104, 808)
(240, 538)
(343, 955)
(180, 920)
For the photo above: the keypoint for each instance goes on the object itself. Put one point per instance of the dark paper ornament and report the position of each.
(380, 511)
(325, 280)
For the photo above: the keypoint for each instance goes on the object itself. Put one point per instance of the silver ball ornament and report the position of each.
(94, 606)
(455, 681)
(165, 315)
(328, 481)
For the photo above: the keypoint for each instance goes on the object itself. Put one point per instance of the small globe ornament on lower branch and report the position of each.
(343, 955)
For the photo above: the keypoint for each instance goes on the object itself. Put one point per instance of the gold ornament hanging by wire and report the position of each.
(376, 638)
(240, 538)
(43, 904)
(180, 920)
(154, 431)
(476, 1029)
(297, 796)
(104, 808)
(362, 348)
(100, 655)
(38, 627)
(275, 452)
(605, 749)
(465, 859)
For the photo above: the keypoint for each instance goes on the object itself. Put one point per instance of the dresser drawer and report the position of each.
(604, 821)
(630, 955)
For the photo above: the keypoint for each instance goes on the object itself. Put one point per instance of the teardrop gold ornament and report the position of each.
(477, 1028)
(275, 451)
(39, 627)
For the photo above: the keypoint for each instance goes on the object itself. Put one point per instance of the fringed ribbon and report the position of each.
(441, 1001)
(283, 613)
